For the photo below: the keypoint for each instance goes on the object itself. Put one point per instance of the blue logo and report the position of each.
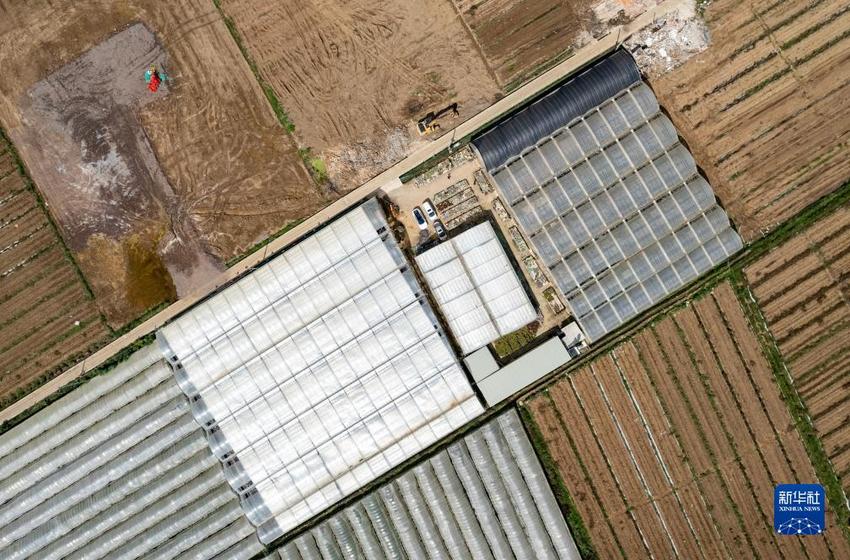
(799, 509)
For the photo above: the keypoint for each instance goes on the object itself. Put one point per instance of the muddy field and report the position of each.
(149, 191)
(802, 287)
(46, 313)
(672, 443)
(355, 76)
(766, 108)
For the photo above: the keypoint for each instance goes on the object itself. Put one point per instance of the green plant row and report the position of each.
(315, 165)
(257, 246)
(107, 366)
(796, 407)
(581, 536)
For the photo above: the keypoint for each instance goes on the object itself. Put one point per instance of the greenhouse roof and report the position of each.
(476, 287)
(485, 496)
(319, 371)
(611, 200)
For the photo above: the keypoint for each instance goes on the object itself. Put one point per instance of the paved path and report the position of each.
(388, 179)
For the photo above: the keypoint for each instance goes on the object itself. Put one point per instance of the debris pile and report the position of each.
(669, 41)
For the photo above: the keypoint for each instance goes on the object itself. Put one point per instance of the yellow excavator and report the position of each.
(428, 123)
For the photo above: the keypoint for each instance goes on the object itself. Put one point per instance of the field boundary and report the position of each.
(796, 407)
(581, 536)
(389, 177)
(319, 177)
(29, 185)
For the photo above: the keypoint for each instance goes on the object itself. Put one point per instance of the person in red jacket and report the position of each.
(153, 78)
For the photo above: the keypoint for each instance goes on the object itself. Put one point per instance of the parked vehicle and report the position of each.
(429, 210)
(442, 234)
(420, 219)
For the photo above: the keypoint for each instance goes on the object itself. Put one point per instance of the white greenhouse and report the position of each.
(319, 371)
(118, 469)
(476, 287)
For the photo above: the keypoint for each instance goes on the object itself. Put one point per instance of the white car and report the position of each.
(420, 219)
(429, 210)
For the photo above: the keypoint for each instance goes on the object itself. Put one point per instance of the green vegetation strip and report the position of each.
(278, 109)
(799, 412)
(538, 70)
(562, 495)
(256, 247)
(107, 366)
(316, 167)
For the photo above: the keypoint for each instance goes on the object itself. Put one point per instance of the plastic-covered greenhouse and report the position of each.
(319, 371)
(118, 469)
(485, 497)
(611, 200)
(476, 287)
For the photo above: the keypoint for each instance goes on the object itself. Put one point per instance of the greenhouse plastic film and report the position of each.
(434, 501)
(502, 504)
(76, 400)
(206, 513)
(420, 514)
(306, 545)
(345, 537)
(381, 524)
(581, 93)
(122, 447)
(477, 494)
(460, 507)
(362, 527)
(212, 537)
(518, 492)
(326, 541)
(83, 418)
(246, 549)
(110, 535)
(159, 529)
(146, 490)
(533, 475)
(288, 552)
(90, 438)
(401, 522)
(79, 502)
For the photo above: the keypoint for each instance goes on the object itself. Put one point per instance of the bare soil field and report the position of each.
(803, 288)
(150, 192)
(355, 76)
(671, 444)
(766, 108)
(517, 36)
(47, 315)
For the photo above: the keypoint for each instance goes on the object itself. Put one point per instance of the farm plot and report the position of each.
(802, 288)
(766, 108)
(355, 76)
(671, 444)
(151, 192)
(518, 36)
(47, 315)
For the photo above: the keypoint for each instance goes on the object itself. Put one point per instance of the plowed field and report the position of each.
(517, 36)
(803, 287)
(355, 76)
(766, 108)
(219, 172)
(672, 443)
(46, 313)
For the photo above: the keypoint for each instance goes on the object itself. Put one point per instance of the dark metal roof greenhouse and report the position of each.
(611, 200)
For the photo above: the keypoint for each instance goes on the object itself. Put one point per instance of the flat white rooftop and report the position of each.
(319, 371)
(476, 287)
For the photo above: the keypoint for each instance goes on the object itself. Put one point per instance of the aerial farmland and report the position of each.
(801, 288)
(656, 440)
(760, 106)
(497, 279)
